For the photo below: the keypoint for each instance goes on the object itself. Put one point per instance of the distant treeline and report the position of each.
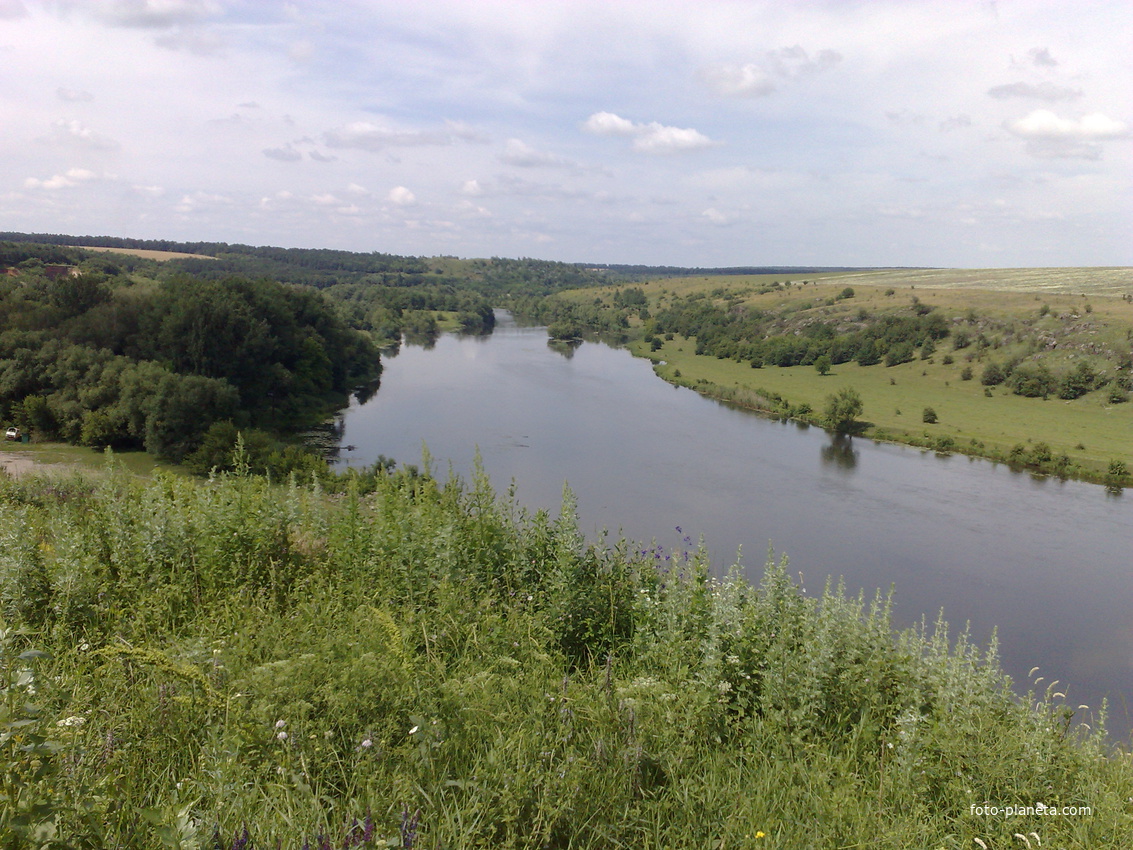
(638, 271)
(100, 360)
(324, 267)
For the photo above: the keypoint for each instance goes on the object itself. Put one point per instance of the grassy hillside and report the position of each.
(405, 664)
(1050, 320)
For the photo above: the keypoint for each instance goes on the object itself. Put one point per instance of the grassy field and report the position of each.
(21, 457)
(1061, 316)
(145, 253)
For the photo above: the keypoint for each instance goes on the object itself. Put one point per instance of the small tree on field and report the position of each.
(929, 416)
(822, 365)
(842, 409)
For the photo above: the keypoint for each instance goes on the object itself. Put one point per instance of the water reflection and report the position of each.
(840, 454)
(565, 347)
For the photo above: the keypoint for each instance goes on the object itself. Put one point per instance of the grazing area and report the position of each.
(406, 663)
(1031, 367)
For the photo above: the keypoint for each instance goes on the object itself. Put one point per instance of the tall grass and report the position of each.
(411, 663)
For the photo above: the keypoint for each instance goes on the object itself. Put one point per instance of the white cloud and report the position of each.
(653, 138)
(609, 124)
(195, 201)
(1036, 91)
(367, 136)
(155, 14)
(523, 155)
(956, 122)
(77, 135)
(758, 79)
(1050, 136)
(738, 80)
(74, 95)
(716, 217)
(401, 196)
(12, 9)
(472, 187)
(198, 42)
(318, 156)
(73, 177)
(284, 154)
(1044, 124)
(1042, 57)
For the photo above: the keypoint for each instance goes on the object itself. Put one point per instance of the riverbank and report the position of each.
(1024, 433)
(938, 395)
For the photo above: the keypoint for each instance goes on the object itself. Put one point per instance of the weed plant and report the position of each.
(414, 663)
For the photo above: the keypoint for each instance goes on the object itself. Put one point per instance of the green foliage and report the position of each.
(268, 664)
(842, 410)
(822, 365)
(104, 363)
(928, 416)
(993, 375)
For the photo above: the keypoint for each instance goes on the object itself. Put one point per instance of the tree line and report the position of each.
(100, 360)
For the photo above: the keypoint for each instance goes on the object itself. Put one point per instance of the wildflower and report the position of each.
(759, 833)
(409, 827)
(366, 744)
(72, 721)
(279, 724)
(413, 730)
(282, 736)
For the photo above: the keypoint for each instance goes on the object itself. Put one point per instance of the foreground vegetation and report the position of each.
(402, 662)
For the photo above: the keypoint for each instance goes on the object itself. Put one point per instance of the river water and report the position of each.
(1048, 564)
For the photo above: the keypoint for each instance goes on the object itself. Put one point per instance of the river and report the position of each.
(1047, 563)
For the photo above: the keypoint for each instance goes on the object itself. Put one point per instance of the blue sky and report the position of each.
(891, 132)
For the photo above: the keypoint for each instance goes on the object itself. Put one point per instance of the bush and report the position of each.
(993, 375)
(928, 416)
(966, 373)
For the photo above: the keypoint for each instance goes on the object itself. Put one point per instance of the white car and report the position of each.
(12, 433)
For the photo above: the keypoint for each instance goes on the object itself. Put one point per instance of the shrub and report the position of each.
(966, 373)
(1032, 380)
(928, 416)
(993, 375)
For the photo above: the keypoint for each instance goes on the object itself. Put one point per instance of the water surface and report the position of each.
(1047, 562)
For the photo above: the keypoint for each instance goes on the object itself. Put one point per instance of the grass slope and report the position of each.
(232, 663)
(1027, 308)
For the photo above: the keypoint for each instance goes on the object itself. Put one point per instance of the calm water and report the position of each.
(1046, 562)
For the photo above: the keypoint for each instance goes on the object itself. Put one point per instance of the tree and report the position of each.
(929, 416)
(842, 409)
(822, 364)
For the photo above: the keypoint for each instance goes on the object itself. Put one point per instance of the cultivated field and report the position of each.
(1063, 281)
(160, 256)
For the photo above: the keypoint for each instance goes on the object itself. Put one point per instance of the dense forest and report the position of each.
(99, 359)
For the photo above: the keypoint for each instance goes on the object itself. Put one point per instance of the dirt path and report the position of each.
(16, 464)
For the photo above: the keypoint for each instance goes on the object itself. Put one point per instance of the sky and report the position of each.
(964, 133)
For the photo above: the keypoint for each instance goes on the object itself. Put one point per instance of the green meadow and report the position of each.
(1057, 317)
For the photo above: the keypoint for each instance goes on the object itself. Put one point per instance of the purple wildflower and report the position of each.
(244, 842)
(409, 827)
